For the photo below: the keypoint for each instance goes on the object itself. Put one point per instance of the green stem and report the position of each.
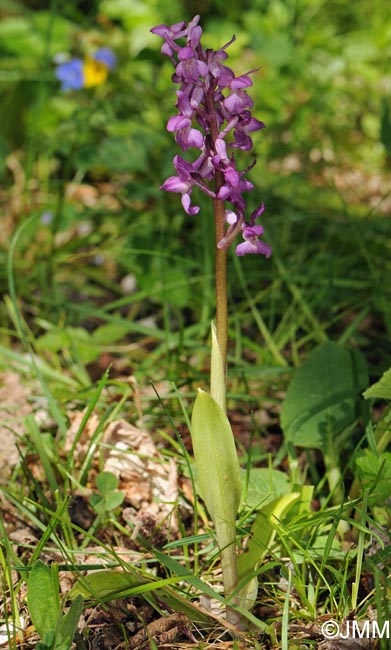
(221, 255)
(219, 360)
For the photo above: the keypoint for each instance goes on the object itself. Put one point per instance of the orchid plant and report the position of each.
(214, 118)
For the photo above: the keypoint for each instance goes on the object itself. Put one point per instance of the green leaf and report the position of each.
(323, 397)
(43, 599)
(97, 502)
(104, 583)
(69, 622)
(47, 642)
(217, 462)
(217, 372)
(113, 500)
(110, 583)
(375, 473)
(261, 537)
(382, 388)
(264, 485)
(106, 482)
(219, 477)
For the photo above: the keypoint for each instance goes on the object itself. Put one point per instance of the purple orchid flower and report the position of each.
(214, 112)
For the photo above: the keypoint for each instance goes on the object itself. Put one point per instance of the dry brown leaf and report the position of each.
(149, 482)
(163, 630)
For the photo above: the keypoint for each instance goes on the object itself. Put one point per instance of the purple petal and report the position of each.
(253, 248)
(221, 149)
(175, 184)
(242, 141)
(230, 217)
(252, 231)
(257, 213)
(195, 36)
(197, 97)
(191, 70)
(254, 125)
(183, 104)
(185, 53)
(225, 76)
(189, 209)
(241, 82)
(188, 137)
(238, 101)
(232, 176)
(224, 192)
(178, 122)
(160, 30)
(183, 167)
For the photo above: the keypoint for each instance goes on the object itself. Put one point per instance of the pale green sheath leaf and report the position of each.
(217, 372)
(43, 599)
(218, 476)
(216, 459)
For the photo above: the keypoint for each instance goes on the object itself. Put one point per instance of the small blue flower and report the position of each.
(71, 74)
(46, 217)
(105, 55)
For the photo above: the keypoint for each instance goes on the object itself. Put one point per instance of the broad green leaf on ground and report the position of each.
(264, 485)
(324, 395)
(43, 599)
(374, 471)
(70, 620)
(382, 388)
(112, 584)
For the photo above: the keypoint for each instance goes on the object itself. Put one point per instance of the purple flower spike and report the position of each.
(214, 113)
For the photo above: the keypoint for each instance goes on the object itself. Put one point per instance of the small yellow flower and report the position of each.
(95, 72)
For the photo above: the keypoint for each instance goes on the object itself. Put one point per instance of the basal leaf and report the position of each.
(323, 396)
(382, 388)
(265, 484)
(374, 471)
(69, 622)
(43, 599)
